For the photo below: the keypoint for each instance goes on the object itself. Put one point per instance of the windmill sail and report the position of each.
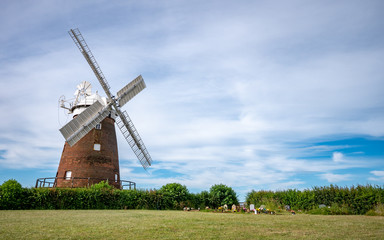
(84, 122)
(84, 49)
(131, 90)
(133, 138)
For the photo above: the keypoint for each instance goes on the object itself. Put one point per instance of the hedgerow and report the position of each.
(338, 200)
(359, 199)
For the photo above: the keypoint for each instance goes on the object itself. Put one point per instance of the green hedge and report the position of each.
(103, 196)
(339, 200)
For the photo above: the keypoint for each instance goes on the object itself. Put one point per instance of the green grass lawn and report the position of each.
(147, 224)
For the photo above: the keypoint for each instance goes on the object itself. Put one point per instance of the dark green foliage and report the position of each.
(11, 194)
(200, 200)
(220, 194)
(339, 200)
(174, 195)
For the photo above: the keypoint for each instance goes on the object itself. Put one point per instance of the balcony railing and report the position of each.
(51, 182)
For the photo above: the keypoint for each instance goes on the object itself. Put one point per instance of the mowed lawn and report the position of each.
(147, 224)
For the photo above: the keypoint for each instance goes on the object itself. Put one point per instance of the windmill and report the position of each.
(90, 151)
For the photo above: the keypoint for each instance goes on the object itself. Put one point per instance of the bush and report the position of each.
(200, 200)
(103, 186)
(220, 194)
(377, 211)
(11, 195)
(175, 196)
(335, 209)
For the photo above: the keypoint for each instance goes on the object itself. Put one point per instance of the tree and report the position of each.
(204, 199)
(11, 195)
(200, 200)
(220, 194)
(175, 195)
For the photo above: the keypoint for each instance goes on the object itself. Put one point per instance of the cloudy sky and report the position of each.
(251, 94)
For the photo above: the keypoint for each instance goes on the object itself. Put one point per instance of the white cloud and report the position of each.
(378, 176)
(378, 173)
(338, 157)
(333, 178)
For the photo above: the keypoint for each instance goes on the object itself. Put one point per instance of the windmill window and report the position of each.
(116, 177)
(68, 175)
(98, 126)
(96, 147)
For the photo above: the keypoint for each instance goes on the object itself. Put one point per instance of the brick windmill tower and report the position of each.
(90, 151)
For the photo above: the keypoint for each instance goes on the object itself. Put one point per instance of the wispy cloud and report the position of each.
(334, 178)
(378, 176)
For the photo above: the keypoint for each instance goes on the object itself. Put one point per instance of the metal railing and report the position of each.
(51, 182)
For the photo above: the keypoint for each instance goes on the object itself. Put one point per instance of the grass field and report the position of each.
(147, 224)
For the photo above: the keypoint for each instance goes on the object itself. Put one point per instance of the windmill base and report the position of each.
(93, 159)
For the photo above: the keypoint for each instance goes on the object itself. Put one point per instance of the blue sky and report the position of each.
(251, 94)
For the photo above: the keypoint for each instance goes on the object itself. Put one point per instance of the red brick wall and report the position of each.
(85, 162)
